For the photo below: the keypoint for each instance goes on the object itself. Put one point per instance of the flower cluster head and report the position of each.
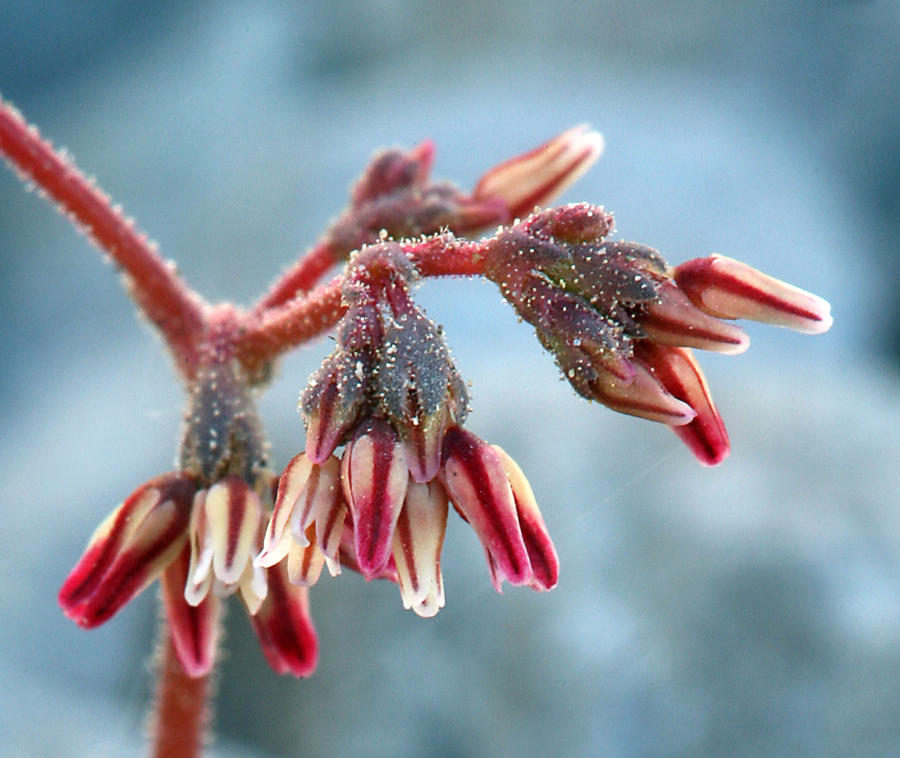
(391, 395)
(198, 530)
(621, 322)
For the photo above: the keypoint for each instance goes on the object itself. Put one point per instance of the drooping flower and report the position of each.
(621, 323)
(198, 530)
(390, 394)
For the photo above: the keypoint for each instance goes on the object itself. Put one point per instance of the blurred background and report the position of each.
(747, 610)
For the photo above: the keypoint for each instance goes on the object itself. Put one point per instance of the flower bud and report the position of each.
(129, 549)
(475, 479)
(375, 476)
(536, 177)
(727, 288)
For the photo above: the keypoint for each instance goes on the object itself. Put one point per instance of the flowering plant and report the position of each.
(387, 452)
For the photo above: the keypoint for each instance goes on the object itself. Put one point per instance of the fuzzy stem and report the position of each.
(267, 335)
(299, 278)
(181, 713)
(279, 329)
(164, 298)
(445, 255)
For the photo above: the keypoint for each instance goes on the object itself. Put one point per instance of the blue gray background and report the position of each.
(749, 610)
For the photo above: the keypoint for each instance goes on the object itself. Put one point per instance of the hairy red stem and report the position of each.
(299, 278)
(265, 337)
(164, 298)
(181, 716)
(446, 255)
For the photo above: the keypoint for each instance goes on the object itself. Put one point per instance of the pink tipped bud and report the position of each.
(678, 371)
(541, 553)
(284, 626)
(536, 177)
(394, 170)
(375, 476)
(727, 288)
(129, 549)
(476, 481)
(417, 547)
(674, 320)
(643, 396)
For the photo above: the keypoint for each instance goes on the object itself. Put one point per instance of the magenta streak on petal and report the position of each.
(674, 326)
(125, 577)
(237, 508)
(405, 535)
(468, 454)
(526, 204)
(318, 452)
(309, 489)
(739, 287)
(383, 451)
(285, 632)
(541, 553)
(191, 628)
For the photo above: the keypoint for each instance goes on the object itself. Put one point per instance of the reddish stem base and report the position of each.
(181, 715)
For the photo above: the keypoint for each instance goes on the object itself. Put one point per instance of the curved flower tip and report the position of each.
(726, 288)
(644, 396)
(541, 552)
(308, 520)
(284, 626)
(129, 549)
(677, 370)
(475, 478)
(536, 177)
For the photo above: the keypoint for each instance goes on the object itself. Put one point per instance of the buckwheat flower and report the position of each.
(418, 540)
(621, 322)
(198, 531)
(226, 522)
(307, 522)
(390, 394)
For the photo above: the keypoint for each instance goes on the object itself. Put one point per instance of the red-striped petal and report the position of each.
(129, 549)
(375, 476)
(476, 482)
(284, 626)
(678, 371)
(726, 288)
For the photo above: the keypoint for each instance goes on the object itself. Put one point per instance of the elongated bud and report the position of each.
(727, 288)
(541, 553)
(129, 549)
(375, 476)
(536, 177)
(476, 481)
(644, 396)
(393, 170)
(309, 497)
(675, 320)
